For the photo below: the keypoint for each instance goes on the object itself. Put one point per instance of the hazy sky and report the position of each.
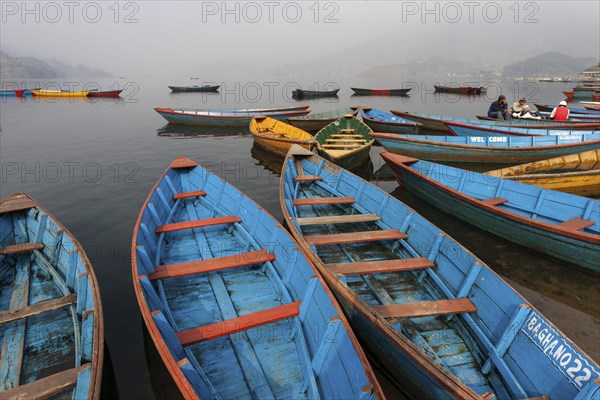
(159, 38)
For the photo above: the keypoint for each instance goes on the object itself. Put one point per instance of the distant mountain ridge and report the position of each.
(34, 68)
(549, 64)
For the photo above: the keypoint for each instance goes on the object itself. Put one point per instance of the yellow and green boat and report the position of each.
(277, 137)
(345, 142)
(575, 173)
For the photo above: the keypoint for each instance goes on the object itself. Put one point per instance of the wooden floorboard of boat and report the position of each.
(212, 331)
(426, 308)
(38, 308)
(21, 248)
(210, 265)
(380, 266)
(314, 201)
(200, 223)
(46, 387)
(338, 219)
(355, 237)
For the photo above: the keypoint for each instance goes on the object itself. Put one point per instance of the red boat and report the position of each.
(107, 93)
(597, 97)
(592, 107)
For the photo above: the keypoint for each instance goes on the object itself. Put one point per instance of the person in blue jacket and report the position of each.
(499, 109)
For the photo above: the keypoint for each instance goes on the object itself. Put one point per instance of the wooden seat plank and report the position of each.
(494, 201)
(210, 265)
(355, 237)
(21, 248)
(308, 178)
(340, 146)
(346, 135)
(212, 331)
(187, 195)
(38, 308)
(46, 387)
(575, 224)
(346, 140)
(183, 162)
(314, 201)
(16, 203)
(199, 223)
(338, 219)
(373, 267)
(426, 308)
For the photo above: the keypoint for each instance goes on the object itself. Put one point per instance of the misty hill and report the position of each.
(34, 68)
(548, 64)
(429, 66)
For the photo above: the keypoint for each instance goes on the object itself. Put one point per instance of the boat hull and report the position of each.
(277, 137)
(380, 92)
(225, 120)
(195, 89)
(380, 121)
(17, 93)
(581, 183)
(314, 122)
(314, 94)
(343, 148)
(461, 129)
(106, 93)
(497, 151)
(576, 252)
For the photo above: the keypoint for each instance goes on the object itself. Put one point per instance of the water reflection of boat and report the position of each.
(267, 159)
(162, 382)
(383, 174)
(189, 131)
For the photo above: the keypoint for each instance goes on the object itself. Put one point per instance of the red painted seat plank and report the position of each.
(187, 195)
(200, 223)
(312, 201)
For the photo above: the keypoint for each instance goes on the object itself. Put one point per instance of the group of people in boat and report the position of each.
(521, 110)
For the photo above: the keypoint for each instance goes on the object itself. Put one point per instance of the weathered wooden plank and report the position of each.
(21, 248)
(373, 267)
(48, 305)
(212, 331)
(494, 201)
(46, 387)
(340, 146)
(16, 203)
(576, 224)
(345, 135)
(11, 355)
(308, 178)
(213, 264)
(183, 162)
(355, 237)
(426, 308)
(338, 219)
(200, 223)
(314, 201)
(346, 140)
(187, 195)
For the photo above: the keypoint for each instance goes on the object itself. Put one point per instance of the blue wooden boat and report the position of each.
(572, 111)
(462, 129)
(234, 308)
(436, 122)
(441, 322)
(231, 117)
(561, 225)
(486, 149)
(380, 121)
(17, 93)
(314, 122)
(51, 325)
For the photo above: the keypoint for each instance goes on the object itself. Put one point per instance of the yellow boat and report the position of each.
(575, 173)
(58, 93)
(277, 137)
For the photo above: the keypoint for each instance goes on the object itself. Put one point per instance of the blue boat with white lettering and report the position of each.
(562, 225)
(437, 319)
(462, 129)
(486, 149)
(233, 306)
(380, 121)
(51, 323)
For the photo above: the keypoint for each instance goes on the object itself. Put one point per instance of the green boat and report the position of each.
(345, 142)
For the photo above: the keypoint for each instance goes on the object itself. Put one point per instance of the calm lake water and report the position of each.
(92, 163)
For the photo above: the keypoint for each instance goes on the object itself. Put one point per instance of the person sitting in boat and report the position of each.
(517, 106)
(499, 109)
(560, 113)
(526, 113)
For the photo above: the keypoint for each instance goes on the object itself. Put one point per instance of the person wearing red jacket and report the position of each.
(560, 113)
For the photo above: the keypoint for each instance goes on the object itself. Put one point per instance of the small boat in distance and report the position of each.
(345, 142)
(51, 321)
(438, 320)
(277, 136)
(465, 90)
(17, 93)
(195, 89)
(105, 93)
(313, 94)
(380, 92)
(58, 93)
(226, 117)
(486, 149)
(314, 122)
(235, 309)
